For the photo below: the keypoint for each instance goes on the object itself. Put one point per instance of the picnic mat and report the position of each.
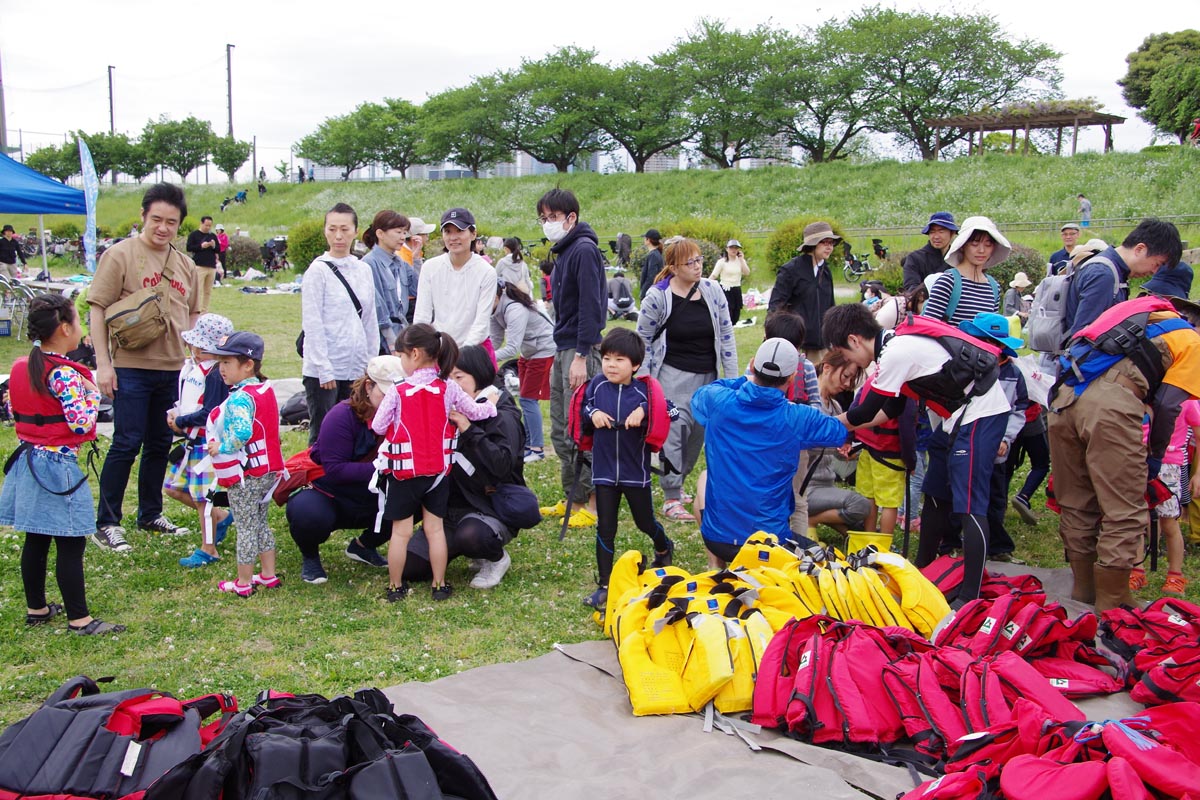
(560, 725)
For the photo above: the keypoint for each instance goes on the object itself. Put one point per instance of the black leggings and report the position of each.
(937, 518)
(68, 571)
(641, 506)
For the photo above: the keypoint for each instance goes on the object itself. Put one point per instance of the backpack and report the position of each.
(299, 472)
(957, 289)
(289, 747)
(84, 743)
(1046, 330)
(295, 410)
(973, 363)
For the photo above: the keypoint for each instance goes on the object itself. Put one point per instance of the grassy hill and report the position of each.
(872, 196)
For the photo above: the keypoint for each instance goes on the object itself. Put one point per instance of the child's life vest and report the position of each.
(1123, 331)
(39, 417)
(191, 393)
(658, 418)
(881, 441)
(261, 453)
(972, 369)
(422, 442)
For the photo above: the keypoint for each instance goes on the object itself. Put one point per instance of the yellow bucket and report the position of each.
(857, 540)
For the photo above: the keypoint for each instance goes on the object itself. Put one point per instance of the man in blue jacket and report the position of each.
(754, 436)
(580, 298)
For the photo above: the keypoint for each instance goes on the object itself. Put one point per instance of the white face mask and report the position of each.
(554, 230)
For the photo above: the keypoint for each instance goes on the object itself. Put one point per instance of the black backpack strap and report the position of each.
(337, 273)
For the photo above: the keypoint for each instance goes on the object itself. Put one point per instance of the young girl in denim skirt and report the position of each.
(45, 494)
(243, 440)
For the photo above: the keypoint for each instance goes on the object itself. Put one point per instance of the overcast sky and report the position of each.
(296, 63)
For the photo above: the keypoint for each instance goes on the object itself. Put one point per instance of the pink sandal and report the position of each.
(233, 587)
(674, 510)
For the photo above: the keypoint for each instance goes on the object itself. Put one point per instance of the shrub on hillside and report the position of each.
(1022, 259)
(243, 253)
(306, 241)
(890, 274)
(785, 241)
(714, 231)
(123, 228)
(67, 230)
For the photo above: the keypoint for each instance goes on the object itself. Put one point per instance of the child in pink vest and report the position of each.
(417, 452)
(243, 441)
(1170, 507)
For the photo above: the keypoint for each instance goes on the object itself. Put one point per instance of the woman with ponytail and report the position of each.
(394, 279)
(527, 334)
(45, 494)
(511, 267)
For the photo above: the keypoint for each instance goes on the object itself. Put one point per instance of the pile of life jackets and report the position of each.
(1035, 756)
(687, 640)
(1162, 642)
(946, 573)
(142, 744)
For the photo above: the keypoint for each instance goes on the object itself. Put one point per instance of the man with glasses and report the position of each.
(580, 304)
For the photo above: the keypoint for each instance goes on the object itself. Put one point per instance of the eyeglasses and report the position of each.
(555, 217)
(694, 261)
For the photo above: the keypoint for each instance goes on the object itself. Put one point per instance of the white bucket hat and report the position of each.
(209, 334)
(969, 227)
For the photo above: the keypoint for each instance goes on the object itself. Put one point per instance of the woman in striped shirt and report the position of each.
(965, 290)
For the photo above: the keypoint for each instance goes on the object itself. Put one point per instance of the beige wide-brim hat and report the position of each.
(1020, 281)
(969, 227)
(1082, 252)
(385, 371)
(816, 232)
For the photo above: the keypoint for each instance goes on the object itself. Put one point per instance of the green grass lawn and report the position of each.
(187, 638)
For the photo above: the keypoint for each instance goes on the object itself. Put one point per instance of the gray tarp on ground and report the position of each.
(560, 726)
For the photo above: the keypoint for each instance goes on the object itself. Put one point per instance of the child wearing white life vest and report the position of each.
(418, 450)
(243, 441)
(45, 494)
(201, 389)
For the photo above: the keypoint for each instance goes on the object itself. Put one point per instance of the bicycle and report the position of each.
(857, 266)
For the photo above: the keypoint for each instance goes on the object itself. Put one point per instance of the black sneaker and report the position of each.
(312, 572)
(597, 599)
(443, 592)
(396, 593)
(112, 537)
(663, 559)
(161, 524)
(365, 555)
(1021, 506)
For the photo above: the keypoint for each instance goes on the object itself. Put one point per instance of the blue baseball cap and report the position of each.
(242, 343)
(942, 219)
(992, 327)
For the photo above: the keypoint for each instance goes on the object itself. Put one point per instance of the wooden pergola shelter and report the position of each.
(986, 122)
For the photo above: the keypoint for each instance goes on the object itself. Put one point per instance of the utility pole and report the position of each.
(229, 79)
(112, 117)
(3, 121)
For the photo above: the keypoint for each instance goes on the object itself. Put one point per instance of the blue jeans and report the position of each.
(532, 411)
(140, 407)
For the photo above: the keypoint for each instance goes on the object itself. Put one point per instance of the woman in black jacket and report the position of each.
(804, 285)
(653, 263)
(493, 451)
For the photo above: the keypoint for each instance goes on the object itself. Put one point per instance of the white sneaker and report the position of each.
(491, 573)
(476, 564)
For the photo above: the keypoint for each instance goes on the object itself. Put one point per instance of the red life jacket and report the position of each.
(39, 417)
(797, 391)
(1123, 331)
(262, 453)
(658, 420)
(881, 441)
(422, 442)
(973, 367)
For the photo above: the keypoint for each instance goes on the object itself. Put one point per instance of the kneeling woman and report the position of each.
(345, 449)
(490, 453)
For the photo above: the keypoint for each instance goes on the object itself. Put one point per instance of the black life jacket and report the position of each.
(972, 370)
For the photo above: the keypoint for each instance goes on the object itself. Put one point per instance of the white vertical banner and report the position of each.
(91, 189)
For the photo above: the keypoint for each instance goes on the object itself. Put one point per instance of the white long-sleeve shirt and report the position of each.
(457, 301)
(337, 341)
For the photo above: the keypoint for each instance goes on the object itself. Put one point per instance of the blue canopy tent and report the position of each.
(26, 191)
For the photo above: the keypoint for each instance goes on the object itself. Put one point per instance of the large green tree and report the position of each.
(402, 135)
(826, 93)
(179, 146)
(54, 160)
(228, 154)
(931, 65)
(1161, 80)
(463, 125)
(731, 107)
(350, 141)
(137, 161)
(108, 150)
(642, 108)
(548, 106)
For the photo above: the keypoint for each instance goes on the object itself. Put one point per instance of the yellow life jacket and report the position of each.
(831, 597)
(757, 552)
(922, 602)
(886, 607)
(748, 637)
(653, 688)
(860, 597)
(708, 663)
